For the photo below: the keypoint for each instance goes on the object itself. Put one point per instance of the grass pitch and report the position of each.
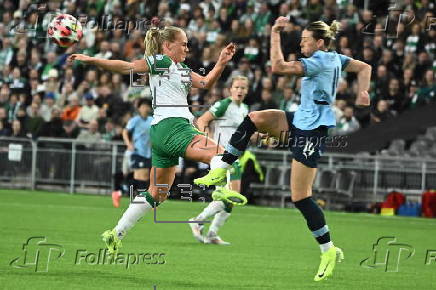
(271, 248)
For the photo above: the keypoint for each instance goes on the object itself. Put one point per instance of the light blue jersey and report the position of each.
(318, 89)
(140, 130)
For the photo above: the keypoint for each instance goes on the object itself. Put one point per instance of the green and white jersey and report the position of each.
(170, 84)
(229, 115)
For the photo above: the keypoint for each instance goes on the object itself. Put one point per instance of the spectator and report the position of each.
(18, 84)
(266, 102)
(51, 64)
(413, 39)
(72, 110)
(110, 132)
(88, 112)
(5, 126)
(313, 10)
(54, 127)
(90, 135)
(48, 106)
(338, 108)
(52, 83)
(104, 51)
(263, 18)
(347, 123)
(17, 130)
(71, 131)
(34, 123)
(6, 53)
(381, 112)
(4, 96)
(290, 100)
(243, 70)
(342, 91)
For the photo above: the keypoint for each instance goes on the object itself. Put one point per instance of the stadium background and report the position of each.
(387, 147)
(42, 96)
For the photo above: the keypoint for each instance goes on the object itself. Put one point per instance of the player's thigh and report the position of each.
(273, 122)
(302, 178)
(202, 149)
(161, 180)
(141, 174)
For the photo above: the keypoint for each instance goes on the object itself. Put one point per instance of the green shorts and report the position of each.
(169, 139)
(235, 171)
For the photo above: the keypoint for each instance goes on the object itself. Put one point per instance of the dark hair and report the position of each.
(144, 101)
(320, 30)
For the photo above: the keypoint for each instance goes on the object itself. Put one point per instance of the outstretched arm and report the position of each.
(363, 71)
(208, 81)
(278, 63)
(118, 66)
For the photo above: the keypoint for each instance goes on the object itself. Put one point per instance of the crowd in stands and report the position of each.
(42, 95)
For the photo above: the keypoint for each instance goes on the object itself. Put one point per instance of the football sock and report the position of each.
(325, 247)
(136, 210)
(239, 141)
(216, 162)
(140, 185)
(213, 208)
(219, 220)
(315, 221)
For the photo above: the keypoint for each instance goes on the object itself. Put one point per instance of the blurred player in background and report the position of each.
(136, 136)
(320, 71)
(172, 133)
(228, 114)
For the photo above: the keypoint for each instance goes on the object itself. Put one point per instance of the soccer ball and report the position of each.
(65, 30)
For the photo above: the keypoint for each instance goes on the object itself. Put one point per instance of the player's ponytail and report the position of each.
(155, 37)
(334, 29)
(152, 41)
(320, 30)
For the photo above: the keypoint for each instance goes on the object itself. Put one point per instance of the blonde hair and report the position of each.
(320, 30)
(155, 37)
(239, 78)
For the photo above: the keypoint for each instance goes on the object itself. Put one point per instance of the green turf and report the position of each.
(271, 248)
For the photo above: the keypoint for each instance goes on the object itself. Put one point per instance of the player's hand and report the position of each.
(363, 99)
(81, 57)
(280, 24)
(227, 53)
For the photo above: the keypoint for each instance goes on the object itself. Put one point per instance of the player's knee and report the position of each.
(257, 118)
(297, 196)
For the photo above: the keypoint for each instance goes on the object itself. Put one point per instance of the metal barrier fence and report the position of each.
(67, 164)
(371, 176)
(88, 167)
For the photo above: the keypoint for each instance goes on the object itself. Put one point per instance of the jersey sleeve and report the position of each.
(344, 60)
(219, 108)
(131, 124)
(158, 64)
(311, 65)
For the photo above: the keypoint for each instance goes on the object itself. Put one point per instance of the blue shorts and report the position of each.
(306, 146)
(138, 162)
